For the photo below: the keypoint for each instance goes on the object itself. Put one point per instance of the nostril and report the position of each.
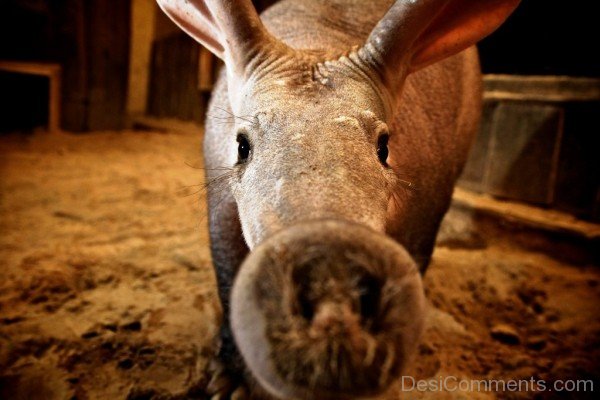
(303, 301)
(306, 307)
(369, 291)
(314, 286)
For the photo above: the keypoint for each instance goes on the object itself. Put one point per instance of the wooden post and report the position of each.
(205, 70)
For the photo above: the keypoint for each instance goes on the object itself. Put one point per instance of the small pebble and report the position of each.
(89, 335)
(125, 363)
(132, 326)
(505, 334)
(536, 342)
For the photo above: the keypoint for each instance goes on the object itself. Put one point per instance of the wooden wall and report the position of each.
(540, 135)
(539, 142)
(181, 72)
(174, 88)
(89, 39)
(96, 67)
(143, 21)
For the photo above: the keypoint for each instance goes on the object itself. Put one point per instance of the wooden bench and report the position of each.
(53, 73)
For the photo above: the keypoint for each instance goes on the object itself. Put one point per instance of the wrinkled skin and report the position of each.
(300, 178)
(332, 161)
(306, 166)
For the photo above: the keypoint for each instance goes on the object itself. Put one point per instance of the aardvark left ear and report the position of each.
(230, 29)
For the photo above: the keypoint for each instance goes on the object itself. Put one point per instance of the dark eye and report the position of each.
(382, 148)
(243, 147)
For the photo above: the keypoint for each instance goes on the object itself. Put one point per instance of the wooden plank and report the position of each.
(191, 88)
(74, 58)
(195, 96)
(172, 76)
(199, 97)
(551, 220)
(54, 102)
(181, 73)
(34, 68)
(541, 88)
(578, 179)
(205, 70)
(524, 152)
(158, 73)
(108, 46)
(143, 18)
(473, 175)
(174, 80)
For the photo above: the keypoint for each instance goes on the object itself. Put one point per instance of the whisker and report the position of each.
(218, 118)
(243, 118)
(396, 201)
(189, 186)
(216, 184)
(208, 169)
(407, 184)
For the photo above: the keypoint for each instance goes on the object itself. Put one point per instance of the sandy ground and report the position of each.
(107, 289)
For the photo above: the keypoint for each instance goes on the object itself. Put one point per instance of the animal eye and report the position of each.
(382, 148)
(243, 147)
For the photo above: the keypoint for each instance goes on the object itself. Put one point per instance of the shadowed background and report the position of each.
(108, 289)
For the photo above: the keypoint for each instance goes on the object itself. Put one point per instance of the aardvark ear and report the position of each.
(231, 29)
(416, 33)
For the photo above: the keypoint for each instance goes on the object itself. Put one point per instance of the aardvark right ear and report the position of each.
(416, 33)
(231, 29)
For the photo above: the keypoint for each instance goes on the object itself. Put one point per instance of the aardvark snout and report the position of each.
(327, 309)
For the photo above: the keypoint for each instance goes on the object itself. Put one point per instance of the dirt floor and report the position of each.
(107, 289)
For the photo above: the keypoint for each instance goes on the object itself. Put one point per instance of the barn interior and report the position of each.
(108, 290)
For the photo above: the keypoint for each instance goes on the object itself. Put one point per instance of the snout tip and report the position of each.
(327, 309)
